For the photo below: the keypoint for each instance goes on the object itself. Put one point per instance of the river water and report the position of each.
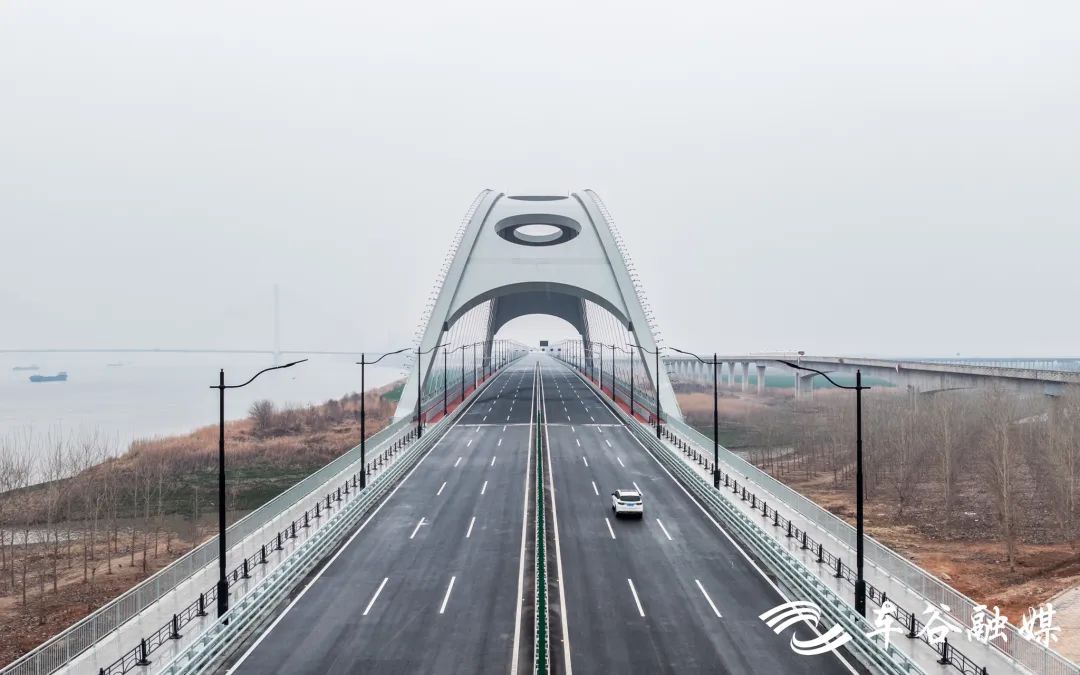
(160, 394)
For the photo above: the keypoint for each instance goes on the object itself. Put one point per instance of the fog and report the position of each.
(839, 177)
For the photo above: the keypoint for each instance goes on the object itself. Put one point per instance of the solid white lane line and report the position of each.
(664, 529)
(499, 443)
(416, 528)
(468, 533)
(594, 489)
(711, 603)
(447, 596)
(608, 442)
(637, 601)
(483, 487)
(609, 529)
(585, 460)
(376, 596)
(636, 487)
(457, 462)
(578, 442)
(470, 443)
(493, 460)
(618, 458)
(440, 489)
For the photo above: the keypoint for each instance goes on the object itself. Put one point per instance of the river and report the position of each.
(160, 394)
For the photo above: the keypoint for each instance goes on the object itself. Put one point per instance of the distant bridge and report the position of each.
(920, 376)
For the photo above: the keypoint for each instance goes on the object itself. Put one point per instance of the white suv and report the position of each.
(628, 502)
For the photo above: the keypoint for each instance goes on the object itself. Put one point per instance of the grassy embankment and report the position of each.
(68, 546)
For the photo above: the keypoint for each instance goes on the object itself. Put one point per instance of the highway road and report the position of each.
(669, 593)
(429, 583)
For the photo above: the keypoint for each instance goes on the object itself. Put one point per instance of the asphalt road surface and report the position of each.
(668, 593)
(430, 582)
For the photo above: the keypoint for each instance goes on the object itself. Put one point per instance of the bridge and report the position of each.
(1051, 377)
(477, 535)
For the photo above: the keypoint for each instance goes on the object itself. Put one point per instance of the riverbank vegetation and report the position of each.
(81, 522)
(981, 487)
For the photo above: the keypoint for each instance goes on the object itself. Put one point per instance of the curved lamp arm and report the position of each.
(264, 370)
(363, 362)
(814, 370)
(676, 349)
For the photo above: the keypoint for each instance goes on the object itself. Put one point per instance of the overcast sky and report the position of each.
(840, 177)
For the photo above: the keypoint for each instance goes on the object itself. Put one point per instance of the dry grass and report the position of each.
(146, 500)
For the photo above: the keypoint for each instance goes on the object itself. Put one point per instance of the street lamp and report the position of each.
(656, 381)
(715, 415)
(860, 583)
(419, 399)
(223, 584)
(363, 363)
(462, 348)
(614, 396)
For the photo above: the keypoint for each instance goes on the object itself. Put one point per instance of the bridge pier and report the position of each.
(804, 386)
(745, 376)
(731, 375)
(760, 380)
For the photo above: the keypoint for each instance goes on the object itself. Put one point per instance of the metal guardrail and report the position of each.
(1029, 654)
(59, 650)
(541, 643)
(271, 590)
(788, 569)
(139, 654)
(947, 654)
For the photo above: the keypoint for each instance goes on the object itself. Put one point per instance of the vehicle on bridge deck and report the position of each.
(627, 502)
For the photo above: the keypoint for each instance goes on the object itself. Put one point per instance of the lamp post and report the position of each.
(462, 349)
(656, 381)
(715, 414)
(613, 397)
(860, 583)
(363, 363)
(223, 584)
(419, 399)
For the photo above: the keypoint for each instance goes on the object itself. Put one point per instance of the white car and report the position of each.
(627, 502)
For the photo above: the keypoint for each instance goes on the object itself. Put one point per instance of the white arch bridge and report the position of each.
(478, 532)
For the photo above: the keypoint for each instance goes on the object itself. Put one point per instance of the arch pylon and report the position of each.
(580, 259)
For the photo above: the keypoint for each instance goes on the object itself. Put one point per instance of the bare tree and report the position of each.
(262, 413)
(999, 411)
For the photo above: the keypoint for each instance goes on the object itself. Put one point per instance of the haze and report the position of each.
(839, 177)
